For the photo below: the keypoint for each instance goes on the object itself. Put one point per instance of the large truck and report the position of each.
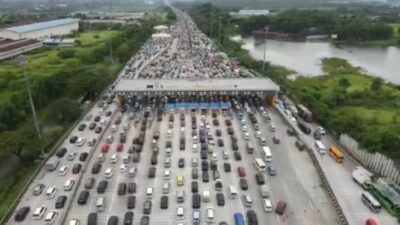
(362, 177)
(305, 113)
(52, 163)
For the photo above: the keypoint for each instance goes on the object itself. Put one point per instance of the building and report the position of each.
(161, 35)
(263, 87)
(250, 12)
(59, 42)
(10, 49)
(160, 28)
(41, 30)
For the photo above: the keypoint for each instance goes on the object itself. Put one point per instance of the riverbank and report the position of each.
(345, 100)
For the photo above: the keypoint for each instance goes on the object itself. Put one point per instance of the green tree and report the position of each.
(376, 84)
(14, 142)
(344, 83)
(63, 110)
(66, 53)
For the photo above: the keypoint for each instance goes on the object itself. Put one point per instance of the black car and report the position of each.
(60, 153)
(60, 202)
(227, 167)
(113, 220)
(108, 113)
(73, 139)
(215, 122)
(213, 165)
(260, 179)
(89, 183)
(96, 168)
(92, 218)
(243, 184)
(82, 127)
(121, 189)
(145, 220)
(237, 156)
(76, 168)
(83, 197)
(131, 203)
(128, 218)
(196, 201)
(152, 172)
(252, 217)
(97, 118)
(203, 154)
(181, 163)
(147, 207)
(83, 156)
(164, 202)
(195, 187)
(135, 157)
(228, 122)
(235, 146)
(92, 126)
(131, 187)
(21, 214)
(102, 186)
(98, 130)
(204, 165)
(220, 199)
(154, 159)
(218, 133)
(220, 143)
(195, 174)
(206, 177)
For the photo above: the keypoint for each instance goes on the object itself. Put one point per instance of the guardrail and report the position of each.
(53, 149)
(324, 180)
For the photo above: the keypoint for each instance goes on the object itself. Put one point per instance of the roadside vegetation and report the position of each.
(62, 82)
(344, 101)
(356, 27)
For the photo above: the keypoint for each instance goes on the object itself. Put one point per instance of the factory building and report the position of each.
(41, 30)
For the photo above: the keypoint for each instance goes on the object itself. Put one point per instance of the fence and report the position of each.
(375, 162)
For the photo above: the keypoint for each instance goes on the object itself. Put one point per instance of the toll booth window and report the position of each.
(149, 86)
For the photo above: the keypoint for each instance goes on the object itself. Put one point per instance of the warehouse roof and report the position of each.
(41, 25)
(253, 84)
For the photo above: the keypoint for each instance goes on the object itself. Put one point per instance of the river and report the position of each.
(305, 57)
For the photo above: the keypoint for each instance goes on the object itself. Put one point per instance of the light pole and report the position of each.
(219, 31)
(265, 47)
(23, 62)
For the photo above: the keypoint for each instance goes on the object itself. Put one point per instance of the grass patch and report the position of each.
(380, 116)
(11, 186)
(95, 37)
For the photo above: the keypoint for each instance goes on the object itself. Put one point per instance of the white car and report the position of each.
(74, 222)
(108, 173)
(110, 139)
(69, 184)
(62, 171)
(81, 141)
(39, 212)
(71, 156)
(123, 168)
(114, 158)
(267, 204)
(50, 217)
(258, 134)
(246, 136)
(225, 154)
(321, 130)
(92, 142)
(101, 157)
(114, 128)
(195, 148)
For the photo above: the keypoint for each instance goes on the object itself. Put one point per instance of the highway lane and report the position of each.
(346, 190)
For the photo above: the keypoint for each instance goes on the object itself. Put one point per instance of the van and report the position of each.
(51, 192)
(100, 204)
(180, 213)
(280, 207)
(50, 217)
(232, 192)
(180, 196)
(38, 214)
(149, 191)
(210, 214)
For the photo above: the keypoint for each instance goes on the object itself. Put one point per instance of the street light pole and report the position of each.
(219, 31)
(265, 47)
(23, 61)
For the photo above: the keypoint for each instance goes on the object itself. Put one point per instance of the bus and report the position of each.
(239, 219)
(371, 202)
(259, 164)
(266, 152)
(336, 154)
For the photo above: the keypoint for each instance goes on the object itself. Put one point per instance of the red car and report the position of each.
(241, 171)
(120, 147)
(105, 148)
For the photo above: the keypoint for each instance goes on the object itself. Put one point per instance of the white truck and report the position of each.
(265, 191)
(362, 177)
(52, 163)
